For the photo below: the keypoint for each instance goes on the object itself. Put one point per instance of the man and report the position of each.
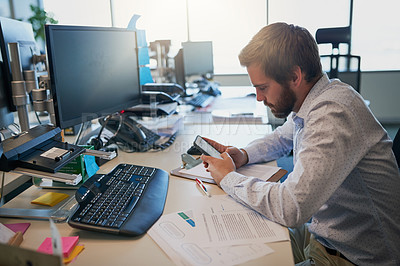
(345, 176)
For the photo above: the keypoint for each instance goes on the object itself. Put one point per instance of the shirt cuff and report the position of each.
(251, 150)
(230, 181)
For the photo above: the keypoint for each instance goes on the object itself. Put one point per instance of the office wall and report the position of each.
(381, 88)
(21, 9)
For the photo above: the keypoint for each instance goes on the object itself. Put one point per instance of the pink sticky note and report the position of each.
(18, 227)
(68, 244)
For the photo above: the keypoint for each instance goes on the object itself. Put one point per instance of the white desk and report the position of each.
(231, 104)
(106, 249)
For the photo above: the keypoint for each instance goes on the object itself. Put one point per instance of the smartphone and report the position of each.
(206, 148)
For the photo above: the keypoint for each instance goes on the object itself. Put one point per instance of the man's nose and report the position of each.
(260, 96)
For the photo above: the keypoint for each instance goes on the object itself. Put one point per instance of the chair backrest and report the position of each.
(336, 36)
(396, 147)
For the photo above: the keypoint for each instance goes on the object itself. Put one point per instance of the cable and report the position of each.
(166, 144)
(110, 140)
(17, 127)
(105, 124)
(38, 119)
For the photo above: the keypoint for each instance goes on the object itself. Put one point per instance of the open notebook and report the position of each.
(264, 171)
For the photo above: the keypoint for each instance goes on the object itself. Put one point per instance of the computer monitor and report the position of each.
(193, 59)
(179, 69)
(15, 31)
(6, 116)
(94, 72)
(198, 58)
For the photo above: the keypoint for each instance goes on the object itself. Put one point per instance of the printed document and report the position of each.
(217, 231)
(224, 221)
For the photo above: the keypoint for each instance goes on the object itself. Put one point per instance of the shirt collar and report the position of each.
(315, 91)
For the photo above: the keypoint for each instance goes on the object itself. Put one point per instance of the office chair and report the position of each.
(336, 36)
(396, 147)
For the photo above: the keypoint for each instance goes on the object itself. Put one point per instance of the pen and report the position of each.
(202, 187)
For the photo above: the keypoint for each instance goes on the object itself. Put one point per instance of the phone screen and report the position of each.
(206, 148)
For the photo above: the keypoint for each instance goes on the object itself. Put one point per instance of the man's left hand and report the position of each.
(219, 168)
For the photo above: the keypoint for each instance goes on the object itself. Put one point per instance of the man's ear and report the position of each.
(297, 76)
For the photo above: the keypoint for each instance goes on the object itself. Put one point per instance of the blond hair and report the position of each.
(278, 48)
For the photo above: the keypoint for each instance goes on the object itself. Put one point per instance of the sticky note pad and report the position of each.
(50, 199)
(18, 227)
(78, 249)
(68, 245)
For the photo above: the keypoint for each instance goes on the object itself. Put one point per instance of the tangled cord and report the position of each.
(166, 144)
(127, 147)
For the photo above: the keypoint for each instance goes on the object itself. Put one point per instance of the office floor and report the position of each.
(287, 161)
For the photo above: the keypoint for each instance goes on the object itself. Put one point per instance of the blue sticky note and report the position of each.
(143, 54)
(141, 38)
(90, 165)
(145, 75)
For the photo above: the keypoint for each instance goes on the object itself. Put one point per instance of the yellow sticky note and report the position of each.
(50, 199)
(78, 249)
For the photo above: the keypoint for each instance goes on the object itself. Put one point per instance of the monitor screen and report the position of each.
(15, 31)
(179, 69)
(6, 116)
(198, 58)
(94, 72)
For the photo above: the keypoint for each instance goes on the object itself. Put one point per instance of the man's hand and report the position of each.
(239, 156)
(218, 168)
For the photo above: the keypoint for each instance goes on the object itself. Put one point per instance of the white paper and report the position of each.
(196, 237)
(262, 171)
(233, 255)
(198, 170)
(5, 234)
(225, 222)
(182, 242)
(55, 239)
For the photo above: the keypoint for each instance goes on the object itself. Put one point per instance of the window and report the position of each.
(375, 29)
(376, 38)
(229, 24)
(77, 12)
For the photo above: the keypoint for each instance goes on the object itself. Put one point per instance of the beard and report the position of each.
(285, 104)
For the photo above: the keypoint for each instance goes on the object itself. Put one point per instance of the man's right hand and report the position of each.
(239, 156)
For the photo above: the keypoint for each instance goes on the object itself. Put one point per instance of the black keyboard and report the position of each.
(201, 100)
(126, 201)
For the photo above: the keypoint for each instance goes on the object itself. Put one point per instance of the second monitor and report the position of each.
(198, 58)
(195, 59)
